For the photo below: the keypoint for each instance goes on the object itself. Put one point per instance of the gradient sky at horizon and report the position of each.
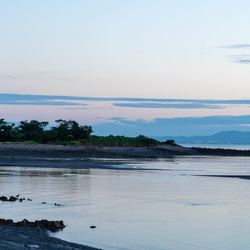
(142, 49)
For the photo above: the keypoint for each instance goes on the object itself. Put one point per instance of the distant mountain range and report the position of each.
(224, 137)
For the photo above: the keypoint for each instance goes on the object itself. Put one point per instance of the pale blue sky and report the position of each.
(125, 49)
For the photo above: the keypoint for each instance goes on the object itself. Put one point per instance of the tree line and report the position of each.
(67, 132)
(64, 131)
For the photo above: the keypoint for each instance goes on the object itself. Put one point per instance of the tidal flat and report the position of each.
(135, 202)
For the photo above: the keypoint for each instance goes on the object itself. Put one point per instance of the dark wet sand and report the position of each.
(246, 177)
(80, 156)
(14, 237)
(19, 153)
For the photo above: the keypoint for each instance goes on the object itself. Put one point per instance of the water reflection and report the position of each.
(155, 204)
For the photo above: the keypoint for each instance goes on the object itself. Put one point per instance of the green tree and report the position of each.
(170, 142)
(70, 130)
(62, 130)
(32, 130)
(84, 132)
(8, 131)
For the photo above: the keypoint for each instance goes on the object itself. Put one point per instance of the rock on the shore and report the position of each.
(3, 198)
(13, 198)
(6, 222)
(49, 225)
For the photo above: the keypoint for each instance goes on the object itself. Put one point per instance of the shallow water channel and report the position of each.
(163, 204)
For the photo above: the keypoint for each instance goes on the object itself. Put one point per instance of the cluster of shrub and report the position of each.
(34, 130)
(67, 132)
(111, 140)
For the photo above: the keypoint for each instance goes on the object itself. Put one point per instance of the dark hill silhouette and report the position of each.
(224, 137)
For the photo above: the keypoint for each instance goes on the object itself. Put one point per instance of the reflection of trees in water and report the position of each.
(47, 183)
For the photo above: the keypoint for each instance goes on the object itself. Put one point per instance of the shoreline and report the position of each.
(16, 238)
(46, 151)
(59, 156)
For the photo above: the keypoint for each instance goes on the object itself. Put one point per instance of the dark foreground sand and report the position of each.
(13, 237)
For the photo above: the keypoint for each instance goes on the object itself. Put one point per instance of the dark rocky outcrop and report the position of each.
(13, 198)
(53, 226)
(50, 225)
(3, 198)
(6, 222)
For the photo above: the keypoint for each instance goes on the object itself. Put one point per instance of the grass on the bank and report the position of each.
(120, 141)
(94, 140)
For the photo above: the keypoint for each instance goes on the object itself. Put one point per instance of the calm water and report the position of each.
(162, 204)
(215, 145)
